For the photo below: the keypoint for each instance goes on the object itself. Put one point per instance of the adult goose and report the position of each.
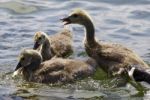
(58, 45)
(112, 58)
(52, 71)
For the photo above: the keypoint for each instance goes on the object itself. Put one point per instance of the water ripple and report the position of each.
(137, 14)
(121, 21)
(17, 7)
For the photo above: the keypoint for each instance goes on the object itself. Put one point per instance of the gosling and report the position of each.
(56, 70)
(113, 58)
(58, 45)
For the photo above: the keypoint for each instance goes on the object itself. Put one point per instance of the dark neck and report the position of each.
(47, 52)
(47, 47)
(29, 70)
(90, 32)
(46, 44)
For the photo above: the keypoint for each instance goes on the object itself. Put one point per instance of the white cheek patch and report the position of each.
(130, 73)
(15, 73)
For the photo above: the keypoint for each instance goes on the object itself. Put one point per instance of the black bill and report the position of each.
(66, 20)
(18, 66)
(36, 45)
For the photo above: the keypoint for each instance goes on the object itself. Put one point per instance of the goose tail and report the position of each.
(141, 75)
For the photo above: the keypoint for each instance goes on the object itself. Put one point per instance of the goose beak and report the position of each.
(15, 73)
(36, 45)
(66, 20)
(18, 66)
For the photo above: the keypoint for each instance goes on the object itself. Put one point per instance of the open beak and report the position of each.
(18, 66)
(66, 20)
(36, 45)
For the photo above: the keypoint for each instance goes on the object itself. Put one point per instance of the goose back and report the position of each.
(111, 57)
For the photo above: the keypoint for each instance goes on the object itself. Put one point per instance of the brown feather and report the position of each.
(58, 45)
(54, 70)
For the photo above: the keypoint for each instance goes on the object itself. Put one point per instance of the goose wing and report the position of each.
(61, 44)
(119, 54)
(50, 66)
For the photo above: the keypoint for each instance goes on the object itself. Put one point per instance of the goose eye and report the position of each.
(40, 38)
(75, 15)
(22, 58)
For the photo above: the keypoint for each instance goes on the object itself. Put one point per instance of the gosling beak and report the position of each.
(66, 20)
(36, 45)
(18, 66)
(15, 73)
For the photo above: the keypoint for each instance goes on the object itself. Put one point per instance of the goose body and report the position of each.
(54, 70)
(112, 58)
(58, 45)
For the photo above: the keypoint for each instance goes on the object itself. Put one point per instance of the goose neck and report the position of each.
(90, 32)
(29, 70)
(46, 44)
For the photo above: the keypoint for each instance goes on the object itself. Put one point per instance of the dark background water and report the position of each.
(122, 21)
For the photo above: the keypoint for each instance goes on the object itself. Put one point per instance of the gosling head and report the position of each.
(78, 16)
(39, 39)
(29, 58)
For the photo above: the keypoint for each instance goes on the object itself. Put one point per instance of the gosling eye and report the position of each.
(40, 38)
(22, 58)
(75, 15)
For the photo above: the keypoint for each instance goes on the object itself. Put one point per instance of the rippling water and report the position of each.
(122, 21)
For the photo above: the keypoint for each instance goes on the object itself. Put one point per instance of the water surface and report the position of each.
(122, 21)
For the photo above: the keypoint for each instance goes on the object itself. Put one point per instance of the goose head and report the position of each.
(39, 39)
(78, 16)
(29, 59)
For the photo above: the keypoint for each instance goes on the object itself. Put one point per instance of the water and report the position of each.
(122, 21)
